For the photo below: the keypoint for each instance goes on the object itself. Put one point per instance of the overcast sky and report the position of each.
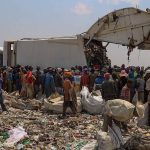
(48, 18)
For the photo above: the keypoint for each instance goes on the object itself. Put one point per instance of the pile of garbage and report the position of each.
(38, 124)
(15, 101)
(135, 139)
(92, 103)
(96, 53)
(38, 130)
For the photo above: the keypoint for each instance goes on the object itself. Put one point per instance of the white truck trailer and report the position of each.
(128, 27)
(55, 52)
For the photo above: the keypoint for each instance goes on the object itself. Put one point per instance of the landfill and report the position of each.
(33, 127)
(46, 130)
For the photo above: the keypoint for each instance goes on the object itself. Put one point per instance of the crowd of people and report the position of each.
(113, 82)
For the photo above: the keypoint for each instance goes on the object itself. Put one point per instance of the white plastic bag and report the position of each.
(16, 135)
(91, 104)
(84, 92)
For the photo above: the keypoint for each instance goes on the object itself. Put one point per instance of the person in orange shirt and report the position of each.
(68, 102)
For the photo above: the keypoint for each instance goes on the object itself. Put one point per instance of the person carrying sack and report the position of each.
(120, 111)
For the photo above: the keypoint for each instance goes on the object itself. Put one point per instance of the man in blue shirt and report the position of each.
(49, 83)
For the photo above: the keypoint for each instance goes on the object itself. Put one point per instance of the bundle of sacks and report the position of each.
(55, 104)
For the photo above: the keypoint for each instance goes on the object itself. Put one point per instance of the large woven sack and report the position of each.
(60, 98)
(54, 95)
(90, 103)
(119, 109)
(57, 107)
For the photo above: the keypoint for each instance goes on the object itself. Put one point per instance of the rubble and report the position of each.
(49, 131)
(46, 131)
(96, 53)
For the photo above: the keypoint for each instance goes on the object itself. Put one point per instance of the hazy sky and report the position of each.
(48, 18)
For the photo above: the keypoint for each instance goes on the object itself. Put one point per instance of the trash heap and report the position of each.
(37, 128)
(137, 139)
(96, 53)
(28, 125)
(45, 131)
(13, 100)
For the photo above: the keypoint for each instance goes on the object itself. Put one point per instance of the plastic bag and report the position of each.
(91, 104)
(16, 135)
(85, 92)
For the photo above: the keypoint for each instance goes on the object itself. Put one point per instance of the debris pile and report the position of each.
(38, 129)
(15, 101)
(139, 139)
(47, 131)
(96, 53)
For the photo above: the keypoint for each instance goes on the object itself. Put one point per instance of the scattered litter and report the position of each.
(15, 135)
(48, 130)
(92, 145)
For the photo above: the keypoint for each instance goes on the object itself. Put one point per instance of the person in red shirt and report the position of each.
(30, 81)
(85, 79)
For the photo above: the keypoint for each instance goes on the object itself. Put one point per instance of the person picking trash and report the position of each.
(120, 111)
